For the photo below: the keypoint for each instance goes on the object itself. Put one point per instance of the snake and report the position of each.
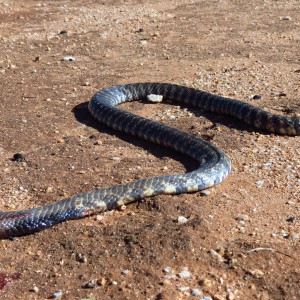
(213, 164)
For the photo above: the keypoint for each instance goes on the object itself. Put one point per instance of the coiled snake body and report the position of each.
(214, 166)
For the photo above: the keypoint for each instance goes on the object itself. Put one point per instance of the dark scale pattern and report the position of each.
(214, 166)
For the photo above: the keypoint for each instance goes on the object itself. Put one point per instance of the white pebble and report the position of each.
(204, 193)
(170, 276)
(167, 269)
(286, 18)
(143, 42)
(184, 274)
(155, 98)
(116, 158)
(125, 272)
(214, 253)
(267, 164)
(182, 219)
(100, 218)
(195, 292)
(68, 58)
(57, 294)
(183, 288)
(35, 289)
(259, 182)
(291, 203)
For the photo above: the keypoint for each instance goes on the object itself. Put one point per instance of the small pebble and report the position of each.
(116, 158)
(255, 97)
(290, 219)
(204, 193)
(60, 141)
(19, 157)
(230, 296)
(184, 274)
(35, 289)
(68, 58)
(100, 218)
(219, 297)
(91, 284)
(286, 18)
(183, 289)
(242, 217)
(170, 276)
(102, 281)
(182, 219)
(165, 282)
(125, 272)
(81, 258)
(63, 32)
(81, 172)
(167, 270)
(267, 164)
(195, 292)
(205, 283)
(294, 236)
(104, 35)
(143, 42)
(155, 98)
(281, 94)
(256, 273)
(259, 182)
(56, 295)
(214, 253)
(206, 298)
(49, 190)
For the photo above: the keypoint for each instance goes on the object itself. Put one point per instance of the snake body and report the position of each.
(214, 165)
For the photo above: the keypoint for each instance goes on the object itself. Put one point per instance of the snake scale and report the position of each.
(214, 165)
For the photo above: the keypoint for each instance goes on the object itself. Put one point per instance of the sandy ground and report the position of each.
(241, 241)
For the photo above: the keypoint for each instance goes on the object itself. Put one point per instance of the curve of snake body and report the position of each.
(214, 165)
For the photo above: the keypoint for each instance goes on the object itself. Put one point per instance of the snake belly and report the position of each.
(213, 167)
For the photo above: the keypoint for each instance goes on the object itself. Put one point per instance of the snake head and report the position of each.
(296, 121)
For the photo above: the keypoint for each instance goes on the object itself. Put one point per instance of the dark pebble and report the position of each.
(290, 219)
(19, 157)
(63, 32)
(282, 94)
(256, 97)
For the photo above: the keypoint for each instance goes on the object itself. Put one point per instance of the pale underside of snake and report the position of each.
(214, 165)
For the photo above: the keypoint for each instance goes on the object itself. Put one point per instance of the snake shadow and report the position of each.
(82, 115)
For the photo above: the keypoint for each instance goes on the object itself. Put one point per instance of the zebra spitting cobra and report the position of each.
(213, 167)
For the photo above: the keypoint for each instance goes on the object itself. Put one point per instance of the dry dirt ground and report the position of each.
(241, 241)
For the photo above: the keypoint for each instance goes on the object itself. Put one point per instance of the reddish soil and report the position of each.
(239, 242)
